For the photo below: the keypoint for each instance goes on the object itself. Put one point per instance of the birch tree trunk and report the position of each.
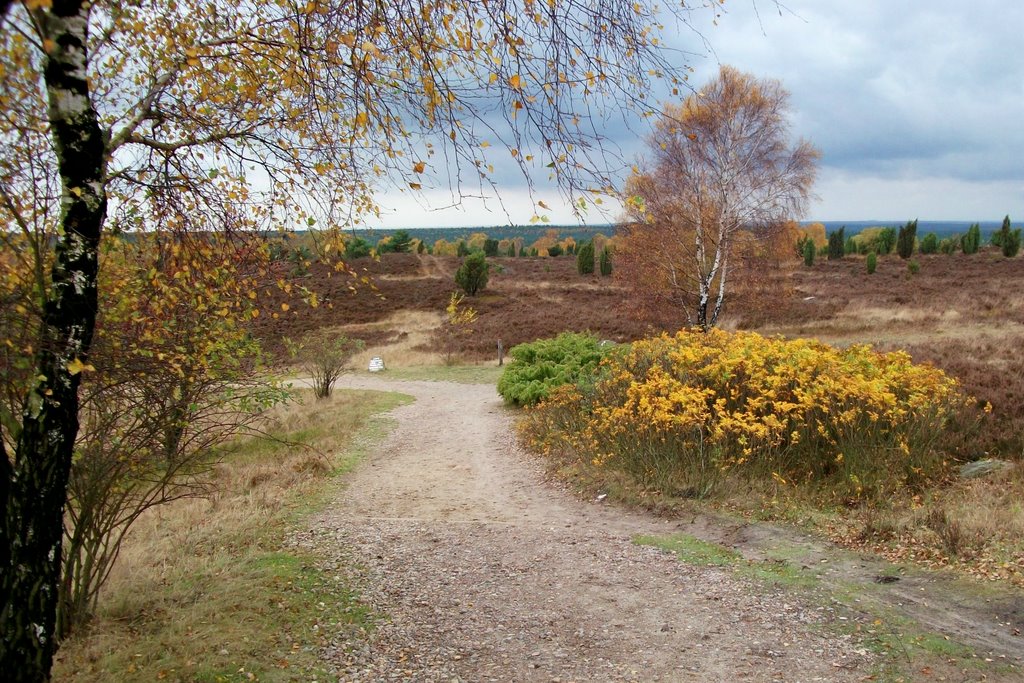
(33, 488)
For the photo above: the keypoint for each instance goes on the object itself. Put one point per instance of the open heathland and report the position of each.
(962, 313)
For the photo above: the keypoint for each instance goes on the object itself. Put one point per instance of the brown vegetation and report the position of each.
(965, 314)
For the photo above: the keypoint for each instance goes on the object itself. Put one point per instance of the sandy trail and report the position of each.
(486, 573)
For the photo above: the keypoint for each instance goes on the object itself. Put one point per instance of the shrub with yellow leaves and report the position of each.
(681, 413)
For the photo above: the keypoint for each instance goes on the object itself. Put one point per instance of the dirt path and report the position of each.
(486, 573)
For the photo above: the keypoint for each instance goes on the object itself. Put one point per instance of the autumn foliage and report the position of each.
(683, 413)
(706, 215)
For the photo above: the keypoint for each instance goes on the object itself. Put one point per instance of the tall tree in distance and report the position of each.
(721, 180)
(206, 115)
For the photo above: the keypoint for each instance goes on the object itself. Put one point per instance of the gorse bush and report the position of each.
(679, 414)
(951, 244)
(539, 367)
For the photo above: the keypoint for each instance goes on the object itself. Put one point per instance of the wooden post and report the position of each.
(501, 354)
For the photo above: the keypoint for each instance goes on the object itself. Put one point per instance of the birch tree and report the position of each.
(720, 181)
(194, 115)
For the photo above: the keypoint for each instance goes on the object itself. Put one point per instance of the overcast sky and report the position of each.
(916, 105)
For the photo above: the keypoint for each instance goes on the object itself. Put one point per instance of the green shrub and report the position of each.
(472, 274)
(930, 243)
(538, 367)
(886, 240)
(554, 250)
(1009, 240)
(972, 240)
(836, 243)
(872, 263)
(462, 250)
(951, 244)
(906, 240)
(913, 267)
(605, 264)
(850, 247)
(801, 244)
(678, 414)
(809, 253)
(490, 247)
(585, 259)
(356, 247)
(511, 250)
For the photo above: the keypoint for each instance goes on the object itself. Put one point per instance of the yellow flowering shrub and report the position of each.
(684, 411)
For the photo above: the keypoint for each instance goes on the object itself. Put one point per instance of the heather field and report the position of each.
(964, 314)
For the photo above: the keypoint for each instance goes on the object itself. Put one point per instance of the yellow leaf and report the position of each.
(76, 366)
(415, 186)
(419, 166)
(49, 45)
(515, 81)
(362, 119)
(284, 307)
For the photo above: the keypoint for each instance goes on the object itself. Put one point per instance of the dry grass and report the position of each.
(203, 590)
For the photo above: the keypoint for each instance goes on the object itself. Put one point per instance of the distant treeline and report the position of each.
(528, 233)
(941, 229)
(582, 233)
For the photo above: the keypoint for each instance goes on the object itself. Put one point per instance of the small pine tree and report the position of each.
(809, 250)
(836, 243)
(913, 267)
(585, 259)
(872, 262)
(554, 250)
(605, 265)
(906, 239)
(1009, 240)
(490, 247)
(850, 247)
(472, 274)
(930, 243)
(511, 250)
(972, 240)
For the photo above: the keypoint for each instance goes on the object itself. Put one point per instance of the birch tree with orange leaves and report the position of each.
(721, 180)
(193, 115)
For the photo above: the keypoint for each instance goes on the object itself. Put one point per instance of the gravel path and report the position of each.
(486, 573)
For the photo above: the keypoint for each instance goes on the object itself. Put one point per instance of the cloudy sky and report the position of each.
(916, 105)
